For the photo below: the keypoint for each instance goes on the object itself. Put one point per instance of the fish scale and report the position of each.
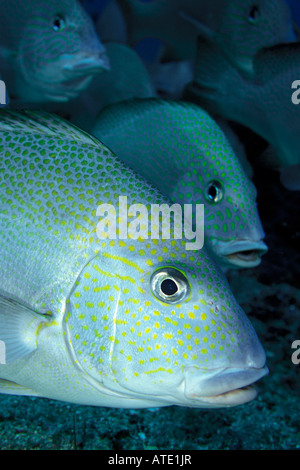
(79, 315)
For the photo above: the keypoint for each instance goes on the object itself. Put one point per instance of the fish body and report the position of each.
(262, 102)
(94, 320)
(178, 147)
(49, 51)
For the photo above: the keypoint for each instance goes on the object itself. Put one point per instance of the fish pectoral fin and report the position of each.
(211, 61)
(12, 388)
(18, 330)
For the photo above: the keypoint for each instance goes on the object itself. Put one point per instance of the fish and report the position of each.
(178, 147)
(49, 51)
(127, 78)
(243, 25)
(262, 102)
(135, 322)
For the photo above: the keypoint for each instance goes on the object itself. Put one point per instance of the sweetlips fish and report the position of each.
(243, 26)
(49, 50)
(266, 102)
(132, 322)
(178, 147)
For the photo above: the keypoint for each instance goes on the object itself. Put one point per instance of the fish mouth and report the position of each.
(229, 387)
(241, 253)
(77, 74)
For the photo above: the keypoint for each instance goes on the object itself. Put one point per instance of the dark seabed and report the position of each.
(270, 295)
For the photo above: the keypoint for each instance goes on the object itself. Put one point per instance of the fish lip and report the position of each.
(241, 253)
(227, 387)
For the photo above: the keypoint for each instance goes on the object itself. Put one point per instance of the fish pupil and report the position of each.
(169, 287)
(58, 23)
(254, 14)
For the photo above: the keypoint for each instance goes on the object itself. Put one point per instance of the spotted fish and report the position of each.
(49, 50)
(110, 322)
(181, 149)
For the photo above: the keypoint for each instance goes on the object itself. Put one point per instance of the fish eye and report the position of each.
(214, 192)
(254, 14)
(58, 23)
(169, 285)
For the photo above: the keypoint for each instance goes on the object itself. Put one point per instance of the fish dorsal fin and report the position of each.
(44, 123)
(273, 61)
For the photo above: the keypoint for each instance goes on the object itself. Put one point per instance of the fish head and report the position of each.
(158, 325)
(59, 53)
(233, 229)
(251, 25)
